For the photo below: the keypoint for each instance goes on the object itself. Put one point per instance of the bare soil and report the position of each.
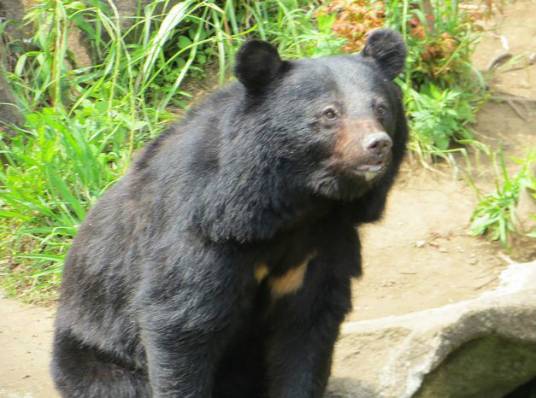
(25, 338)
(419, 256)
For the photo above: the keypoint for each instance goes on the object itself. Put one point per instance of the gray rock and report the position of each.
(480, 348)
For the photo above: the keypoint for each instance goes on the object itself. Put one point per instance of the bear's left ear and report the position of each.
(257, 64)
(387, 48)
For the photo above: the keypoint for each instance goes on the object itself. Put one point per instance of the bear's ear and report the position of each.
(257, 64)
(387, 48)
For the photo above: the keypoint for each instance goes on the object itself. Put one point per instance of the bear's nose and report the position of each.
(378, 144)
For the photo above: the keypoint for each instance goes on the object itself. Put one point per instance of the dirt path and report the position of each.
(25, 338)
(420, 256)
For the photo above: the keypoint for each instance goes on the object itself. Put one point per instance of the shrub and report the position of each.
(495, 213)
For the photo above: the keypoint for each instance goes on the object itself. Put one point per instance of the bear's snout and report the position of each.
(378, 145)
(362, 148)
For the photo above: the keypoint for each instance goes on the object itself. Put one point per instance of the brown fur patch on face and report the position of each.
(261, 272)
(348, 146)
(289, 282)
(344, 142)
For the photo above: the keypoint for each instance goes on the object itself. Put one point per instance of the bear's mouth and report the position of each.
(370, 172)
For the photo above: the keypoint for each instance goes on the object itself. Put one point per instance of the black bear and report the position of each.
(220, 265)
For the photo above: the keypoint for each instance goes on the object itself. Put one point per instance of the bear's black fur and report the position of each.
(220, 265)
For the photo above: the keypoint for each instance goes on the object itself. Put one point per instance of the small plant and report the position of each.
(495, 213)
(438, 118)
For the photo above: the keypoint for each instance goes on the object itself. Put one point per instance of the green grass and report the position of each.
(55, 170)
(495, 213)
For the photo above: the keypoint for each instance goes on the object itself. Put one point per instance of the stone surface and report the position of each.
(479, 348)
(507, 364)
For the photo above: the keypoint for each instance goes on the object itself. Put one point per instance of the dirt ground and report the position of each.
(420, 256)
(25, 338)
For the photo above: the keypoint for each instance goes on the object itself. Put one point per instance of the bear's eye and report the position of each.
(381, 110)
(330, 113)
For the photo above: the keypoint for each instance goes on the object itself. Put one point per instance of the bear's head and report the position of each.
(333, 125)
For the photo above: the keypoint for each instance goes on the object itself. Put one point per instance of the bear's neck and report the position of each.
(250, 204)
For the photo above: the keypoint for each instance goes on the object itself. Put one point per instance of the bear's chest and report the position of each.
(287, 281)
(283, 267)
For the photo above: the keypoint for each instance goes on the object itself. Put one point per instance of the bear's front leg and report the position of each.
(180, 361)
(304, 326)
(188, 312)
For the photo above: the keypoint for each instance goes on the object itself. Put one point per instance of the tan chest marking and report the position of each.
(261, 272)
(289, 282)
(285, 284)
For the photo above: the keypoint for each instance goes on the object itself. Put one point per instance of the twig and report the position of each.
(502, 96)
(516, 110)
(504, 257)
(511, 100)
(499, 60)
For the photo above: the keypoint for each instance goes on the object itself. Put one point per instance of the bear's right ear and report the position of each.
(257, 64)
